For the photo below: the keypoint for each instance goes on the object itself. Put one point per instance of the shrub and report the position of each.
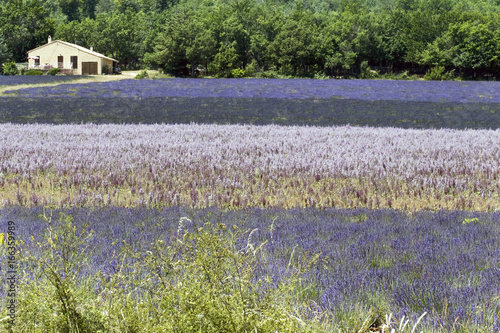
(439, 73)
(59, 300)
(142, 75)
(161, 75)
(321, 76)
(367, 72)
(53, 71)
(204, 279)
(10, 68)
(105, 69)
(252, 68)
(237, 73)
(272, 74)
(34, 72)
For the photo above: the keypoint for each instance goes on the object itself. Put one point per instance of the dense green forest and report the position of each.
(245, 37)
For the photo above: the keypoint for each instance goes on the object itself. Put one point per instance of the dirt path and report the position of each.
(89, 79)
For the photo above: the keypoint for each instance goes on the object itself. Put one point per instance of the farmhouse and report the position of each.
(70, 58)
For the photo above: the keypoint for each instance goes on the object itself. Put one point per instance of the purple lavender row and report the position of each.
(444, 263)
(431, 91)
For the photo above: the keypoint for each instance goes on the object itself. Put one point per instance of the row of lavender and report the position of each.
(257, 111)
(246, 166)
(370, 90)
(405, 104)
(445, 264)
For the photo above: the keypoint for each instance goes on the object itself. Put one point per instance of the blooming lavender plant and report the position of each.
(242, 166)
(378, 90)
(406, 104)
(385, 260)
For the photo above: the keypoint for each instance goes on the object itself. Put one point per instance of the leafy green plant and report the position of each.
(142, 75)
(33, 72)
(206, 278)
(321, 76)
(252, 68)
(10, 68)
(53, 71)
(439, 73)
(204, 282)
(58, 299)
(105, 69)
(367, 72)
(238, 73)
(467, 221)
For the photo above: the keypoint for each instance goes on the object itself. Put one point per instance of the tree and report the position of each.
(4, 52)
(88, 8)
(476, 46)
(351, 37)
(70, 8)
(173, 43)
(24, 27)
(294, 50)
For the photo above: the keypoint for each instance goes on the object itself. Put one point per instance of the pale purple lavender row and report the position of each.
(450, 156)
(431, 91)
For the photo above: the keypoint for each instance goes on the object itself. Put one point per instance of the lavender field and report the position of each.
(404, 104)
(252, 206)
(366, 263)
(371, 90)
(237, 166)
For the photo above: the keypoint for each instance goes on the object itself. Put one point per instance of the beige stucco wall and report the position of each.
(48, 56)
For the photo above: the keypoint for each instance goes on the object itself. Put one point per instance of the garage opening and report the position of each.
(89, 68)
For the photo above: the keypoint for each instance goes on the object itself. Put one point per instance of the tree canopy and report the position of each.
(289, 37)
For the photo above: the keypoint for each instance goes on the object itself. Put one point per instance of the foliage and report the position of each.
(470, 220)
(312, 270)
(438, 73)
(53, 71)
(34, 72)
(4, 51)
(367, 72)
(24, 27)
(142, 75)
(294, 38)
(204, 279)
(105, 69)
(238, 73)
(10, 68)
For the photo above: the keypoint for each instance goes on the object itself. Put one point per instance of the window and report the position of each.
(37, 61)
(74, 62)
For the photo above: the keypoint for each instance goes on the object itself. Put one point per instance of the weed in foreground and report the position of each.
(203, 279)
